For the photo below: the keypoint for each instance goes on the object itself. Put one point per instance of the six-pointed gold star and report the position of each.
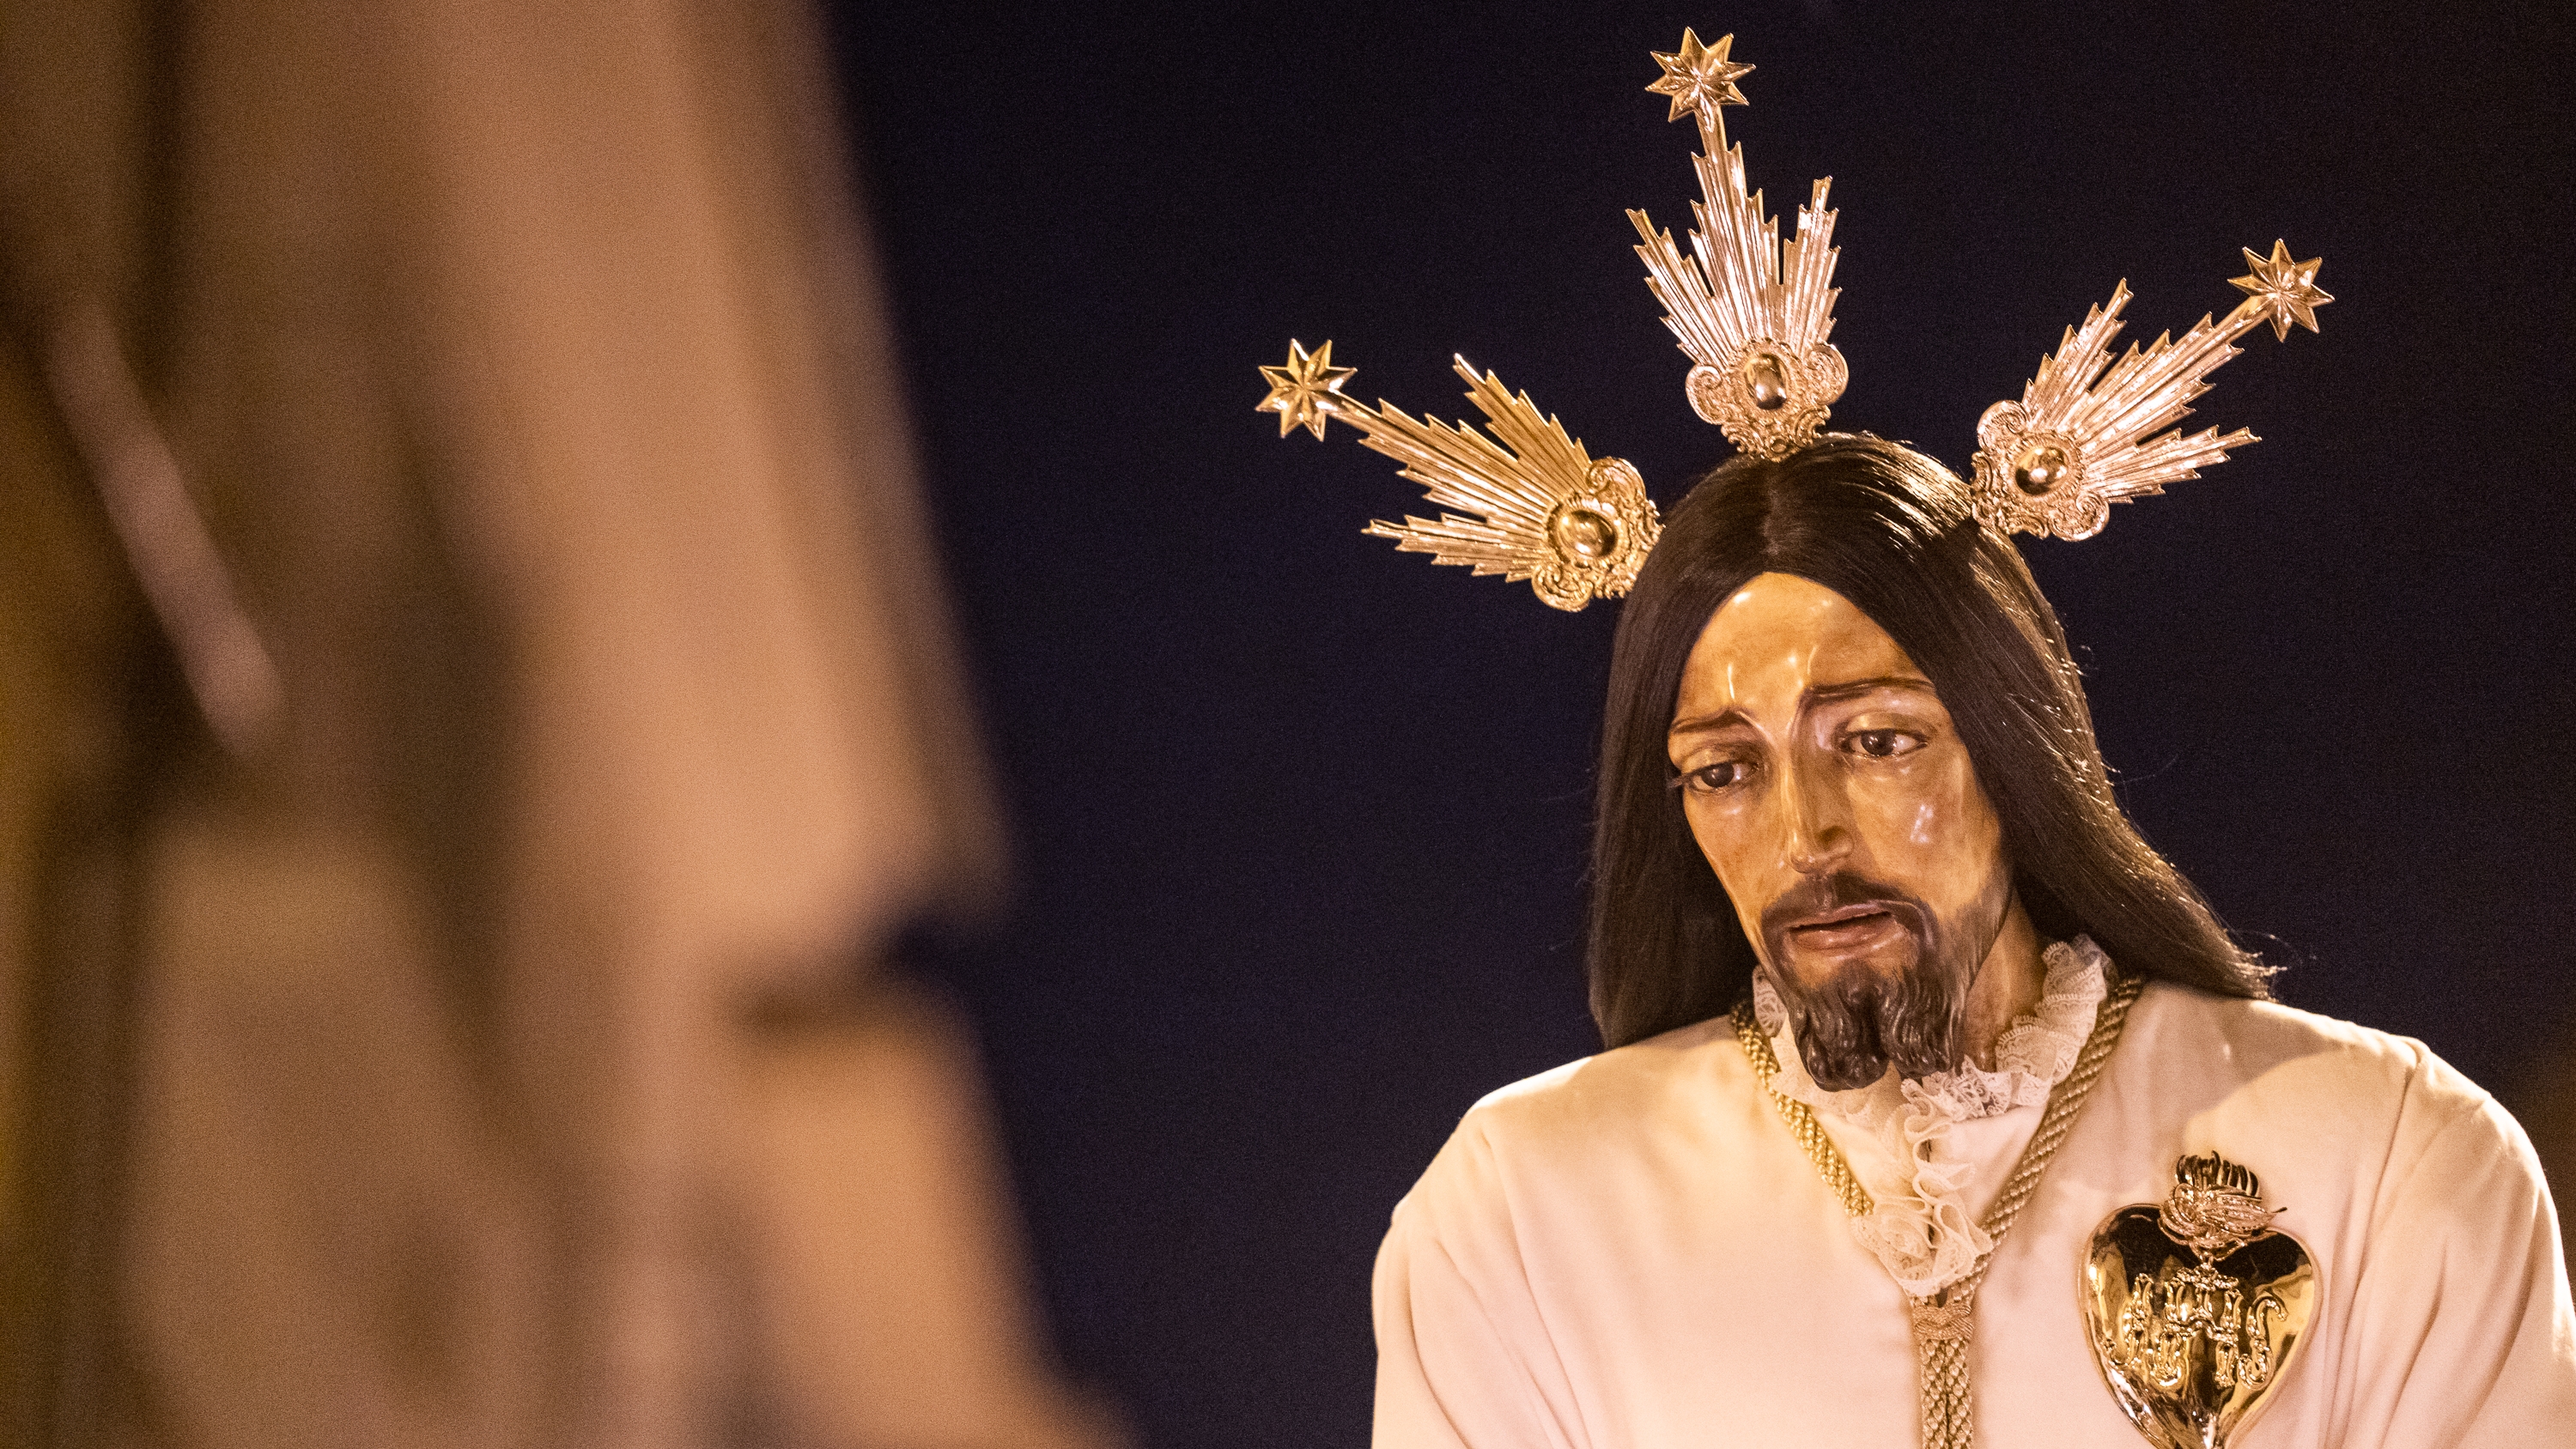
(2287, 290)
(1308, 391)
(1700, 77)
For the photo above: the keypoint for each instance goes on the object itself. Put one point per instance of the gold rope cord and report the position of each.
(1942, 1321)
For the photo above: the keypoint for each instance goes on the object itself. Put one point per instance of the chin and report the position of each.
(1858, 1015)
(1820, 971)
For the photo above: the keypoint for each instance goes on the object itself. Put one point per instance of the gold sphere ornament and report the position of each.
(2040, 468)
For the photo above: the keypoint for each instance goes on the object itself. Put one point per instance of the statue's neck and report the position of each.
(2007, 987)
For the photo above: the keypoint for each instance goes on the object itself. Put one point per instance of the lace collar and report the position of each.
(1919, 1226)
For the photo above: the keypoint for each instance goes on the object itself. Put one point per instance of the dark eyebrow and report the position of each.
(1815, 695)
(1826, 693)
(1707, 722)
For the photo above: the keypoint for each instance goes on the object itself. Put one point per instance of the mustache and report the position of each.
(1818, 894)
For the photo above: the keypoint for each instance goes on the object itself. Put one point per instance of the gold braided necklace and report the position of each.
(1942, 1320)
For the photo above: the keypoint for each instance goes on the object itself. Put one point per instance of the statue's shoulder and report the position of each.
(2181, 1032)
(1602, 1111)
(1561, 1141)
(1625, 1083)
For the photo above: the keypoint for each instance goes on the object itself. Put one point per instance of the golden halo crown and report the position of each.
(1752, 313)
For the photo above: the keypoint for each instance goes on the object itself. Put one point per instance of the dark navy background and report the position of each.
(1301, 821)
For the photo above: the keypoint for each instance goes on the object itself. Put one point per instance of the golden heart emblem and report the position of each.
(2197, 1308)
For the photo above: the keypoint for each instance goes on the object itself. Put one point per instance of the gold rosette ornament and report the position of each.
(1542, 508)
(2196, 1308)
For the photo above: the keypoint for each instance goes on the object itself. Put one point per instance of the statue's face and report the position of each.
(1823, 781)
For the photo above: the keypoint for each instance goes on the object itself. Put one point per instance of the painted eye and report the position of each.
(1708, 779)
(1884, 744)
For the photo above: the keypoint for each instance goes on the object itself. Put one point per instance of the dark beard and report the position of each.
(1853, 1026)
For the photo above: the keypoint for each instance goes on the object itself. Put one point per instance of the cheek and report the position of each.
(1719, 835)
(1744, 860)
(1938, 828)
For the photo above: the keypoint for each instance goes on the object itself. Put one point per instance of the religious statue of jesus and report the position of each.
(1937, 1107)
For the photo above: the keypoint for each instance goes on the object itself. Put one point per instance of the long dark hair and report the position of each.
(1892, 531)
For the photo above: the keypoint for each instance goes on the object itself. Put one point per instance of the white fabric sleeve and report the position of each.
(1463, 1359)
(2462, 1320)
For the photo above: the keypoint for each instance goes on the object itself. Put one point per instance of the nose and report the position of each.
(1818, 836)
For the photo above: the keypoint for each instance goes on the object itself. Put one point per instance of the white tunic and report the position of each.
(1630, 1252)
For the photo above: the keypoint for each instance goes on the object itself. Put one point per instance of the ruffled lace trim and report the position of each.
(1919, 1226)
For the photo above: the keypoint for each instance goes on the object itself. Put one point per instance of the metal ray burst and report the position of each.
(1532, 503)
(1751, 311)
(1754, 314)
(2056, 461)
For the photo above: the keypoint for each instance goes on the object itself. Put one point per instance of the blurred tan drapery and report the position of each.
(478, 699)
